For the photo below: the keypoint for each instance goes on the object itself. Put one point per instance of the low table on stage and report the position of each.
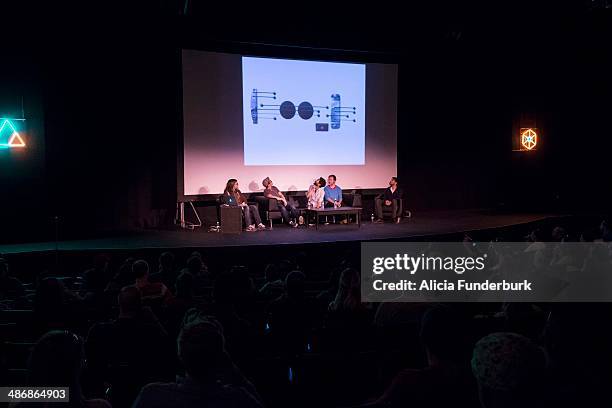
(333, 211)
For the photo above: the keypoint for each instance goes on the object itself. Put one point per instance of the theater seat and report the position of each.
(351, 200)
(269, 207)
(387, 210)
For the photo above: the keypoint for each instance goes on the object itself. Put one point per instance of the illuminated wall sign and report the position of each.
(526, 140)
(9, 136)
(529, 138)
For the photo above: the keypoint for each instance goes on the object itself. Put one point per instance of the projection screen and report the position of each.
(291, 120)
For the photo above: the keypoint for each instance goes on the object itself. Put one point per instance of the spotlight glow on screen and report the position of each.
(250, 118)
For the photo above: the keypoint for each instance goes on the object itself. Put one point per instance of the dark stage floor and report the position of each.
(421, 225)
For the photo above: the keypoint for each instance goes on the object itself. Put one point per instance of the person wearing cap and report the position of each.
(288, 211)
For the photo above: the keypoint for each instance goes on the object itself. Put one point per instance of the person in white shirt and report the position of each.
(316, 193)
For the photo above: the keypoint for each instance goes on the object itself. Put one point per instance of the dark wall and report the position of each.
(107, 84)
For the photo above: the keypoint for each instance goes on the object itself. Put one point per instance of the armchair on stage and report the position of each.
(396, 208)
(351, 200)
(269, 206)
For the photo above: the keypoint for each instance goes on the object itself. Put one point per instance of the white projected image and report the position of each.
(303, 112)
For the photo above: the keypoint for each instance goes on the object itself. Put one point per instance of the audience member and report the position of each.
(166, 270)
(130, 351)
(10, 288)
(273, 286)
(290, 315)
(54, 306)
(445, 380)
(122, 278)
(152, 292)
(57, 360)
(237, 330)
(510, 371)
(202, 279)
(96, 278)
(347, 310)
(211, 380)
(606, 231)
(182, 301)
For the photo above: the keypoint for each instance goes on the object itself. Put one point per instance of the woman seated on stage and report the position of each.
(316, 193)
(232, 196)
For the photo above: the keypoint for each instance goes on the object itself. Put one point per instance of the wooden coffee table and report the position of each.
(333, 211)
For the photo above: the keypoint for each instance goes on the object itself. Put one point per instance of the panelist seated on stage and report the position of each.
(233, 197)
(316, 193)
(289, 212)
(333, 193)
(391, 199)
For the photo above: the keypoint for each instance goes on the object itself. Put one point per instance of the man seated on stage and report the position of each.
(333, 193)
(390, 198)
(316, 193)
(288, 211)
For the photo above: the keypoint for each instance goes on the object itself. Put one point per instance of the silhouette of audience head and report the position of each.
(124, 275)
(284, 267)
(536, 235)
(130, 302)
(140, 269)
(101, 262)
(49, 296)
(348, 296)
(559, 234)
(606, 230)
(57, 361)
(194, 264)
(440, 334)
(201, 349)
(166, 261)
(509, 369)
(185, 286)
(294, 285)
(271, 273)
(301, 260)
(222, 289)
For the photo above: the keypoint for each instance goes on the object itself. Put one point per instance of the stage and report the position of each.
(422, 226)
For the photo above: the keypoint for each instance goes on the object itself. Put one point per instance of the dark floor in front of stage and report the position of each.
(421, 225)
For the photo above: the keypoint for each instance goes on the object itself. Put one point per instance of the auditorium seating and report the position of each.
(333, 363)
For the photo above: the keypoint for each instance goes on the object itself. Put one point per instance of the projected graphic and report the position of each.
(305, 110)
(9, 136)
(290, 104)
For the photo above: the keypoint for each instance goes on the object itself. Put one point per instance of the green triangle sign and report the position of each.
(9, 137)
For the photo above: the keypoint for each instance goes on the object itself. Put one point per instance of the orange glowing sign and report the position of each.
(529, 138)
